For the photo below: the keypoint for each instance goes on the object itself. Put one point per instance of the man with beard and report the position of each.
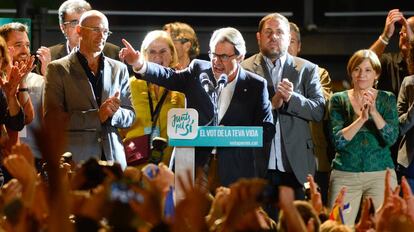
(30, 88)
(297, 98)
(93, 91)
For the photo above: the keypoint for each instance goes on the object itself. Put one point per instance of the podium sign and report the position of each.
(183, 131)
(223, 136)
(185, 134)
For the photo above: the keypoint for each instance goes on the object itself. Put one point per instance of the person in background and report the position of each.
(69, 13)
(93, 91)
(185, 42)
(364, 125)
(31, 89)
(156, 47)
(243, 101)
(406, 117)
(394, 65)
(322, 149)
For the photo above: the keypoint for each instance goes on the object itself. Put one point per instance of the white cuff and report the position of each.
(142, 70)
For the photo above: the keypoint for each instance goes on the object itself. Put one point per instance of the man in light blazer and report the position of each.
(297, 99)
(93, 91)
(243, 101)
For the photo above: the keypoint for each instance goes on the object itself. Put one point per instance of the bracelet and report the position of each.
(383, 40)
(23, 89)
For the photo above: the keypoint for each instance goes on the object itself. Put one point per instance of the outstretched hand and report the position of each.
(131, 56)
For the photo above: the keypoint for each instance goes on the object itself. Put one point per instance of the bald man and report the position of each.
(93, 91)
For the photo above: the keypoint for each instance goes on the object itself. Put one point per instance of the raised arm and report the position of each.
(381, 43)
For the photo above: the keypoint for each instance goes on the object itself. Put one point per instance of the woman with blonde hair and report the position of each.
(364, 125)
(152, 102)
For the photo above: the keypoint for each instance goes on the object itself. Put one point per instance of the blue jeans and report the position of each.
(410, 182)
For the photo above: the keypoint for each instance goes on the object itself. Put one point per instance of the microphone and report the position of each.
(205, 82)
(221, 82)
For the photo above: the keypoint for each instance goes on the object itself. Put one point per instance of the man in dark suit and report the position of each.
(243, 101)
(297, 98)
(69, 13)
(93, 91)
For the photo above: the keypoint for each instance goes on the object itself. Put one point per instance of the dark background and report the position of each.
(331, 30)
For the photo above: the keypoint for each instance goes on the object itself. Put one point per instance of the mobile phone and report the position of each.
(121, 192)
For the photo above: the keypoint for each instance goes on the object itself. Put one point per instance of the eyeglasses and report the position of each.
(71, 23)
(182, 40)
(222, 57)
(103, 31)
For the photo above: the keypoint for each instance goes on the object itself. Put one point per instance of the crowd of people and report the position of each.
(84, 143)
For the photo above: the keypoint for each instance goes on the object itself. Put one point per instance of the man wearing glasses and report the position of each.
(69, 13)
(93, 91)
(243, 101)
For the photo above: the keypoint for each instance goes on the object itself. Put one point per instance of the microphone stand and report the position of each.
(214, 98)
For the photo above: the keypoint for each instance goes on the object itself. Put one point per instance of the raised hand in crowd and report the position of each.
(150, 208)
(315, 195)
(367, 219)
(25, 151)
(293, 220)
(408, 198)
(242, 208)
(25, 173)
(190, 212)
(161, 177)
(218, 206)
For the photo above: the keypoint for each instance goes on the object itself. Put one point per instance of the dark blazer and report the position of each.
(306, 104)
(249, 106)
(68, 90)
(406, 118)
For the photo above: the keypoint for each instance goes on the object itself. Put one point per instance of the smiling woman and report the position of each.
(364, 125)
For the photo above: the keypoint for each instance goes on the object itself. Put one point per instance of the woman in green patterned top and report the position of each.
(364, 124)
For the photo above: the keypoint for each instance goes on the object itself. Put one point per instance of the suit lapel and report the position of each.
(239, 89)
(106, 80)
(261, 69)
(80, 76)
(289, 70)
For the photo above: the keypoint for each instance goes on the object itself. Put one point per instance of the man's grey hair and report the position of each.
(71, 6)
(231, 35)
